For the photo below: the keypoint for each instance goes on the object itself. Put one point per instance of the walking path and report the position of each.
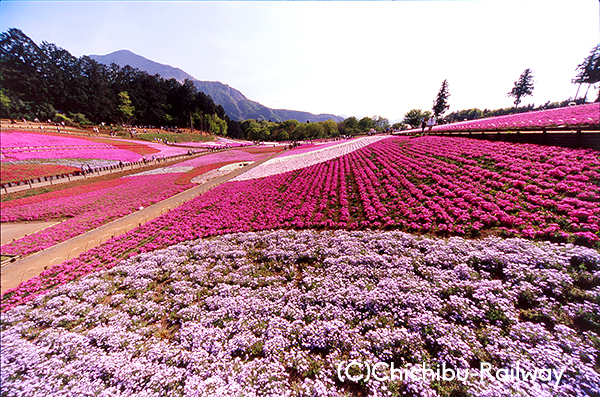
(14, 231)
(13, 273)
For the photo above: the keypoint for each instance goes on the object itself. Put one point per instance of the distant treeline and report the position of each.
(47, 82)
(261, 130)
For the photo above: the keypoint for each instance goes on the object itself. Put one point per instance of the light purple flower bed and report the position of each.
(279, 313)
(310, 147)
(233, 155)
(583, 115)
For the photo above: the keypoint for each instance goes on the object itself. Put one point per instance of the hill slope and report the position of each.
(236, 105)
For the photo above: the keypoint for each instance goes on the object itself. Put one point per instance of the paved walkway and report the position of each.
(14, 273)
(15, 231)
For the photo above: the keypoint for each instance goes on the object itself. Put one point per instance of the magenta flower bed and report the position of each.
(100, 152)
(22, 140)
(573, 116)
(30, 146)
(433, 185)
(87, 207)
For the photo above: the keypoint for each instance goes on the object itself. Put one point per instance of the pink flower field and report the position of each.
(573, 116)
(316, 273)
(432, 185)
(37, 153)
(20, 172)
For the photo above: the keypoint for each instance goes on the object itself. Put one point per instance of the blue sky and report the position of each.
(346, 58)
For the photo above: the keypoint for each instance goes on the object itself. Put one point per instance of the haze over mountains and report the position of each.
(236, 105)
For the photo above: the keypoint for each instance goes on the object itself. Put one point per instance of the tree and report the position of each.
(125, 107)
(415, 117)
(365, 124)
(523, 86)
(330, 128)
(589, 71)
(440, 105)
(380, 123)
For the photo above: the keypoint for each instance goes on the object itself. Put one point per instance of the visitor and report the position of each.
(423, 125)
(431, 122)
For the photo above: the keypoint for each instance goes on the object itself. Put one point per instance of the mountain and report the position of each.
(236, 105)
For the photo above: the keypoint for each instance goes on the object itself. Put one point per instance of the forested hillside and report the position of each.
(47, 82)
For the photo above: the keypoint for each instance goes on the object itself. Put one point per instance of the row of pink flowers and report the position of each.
(446, 186)
(573, 116)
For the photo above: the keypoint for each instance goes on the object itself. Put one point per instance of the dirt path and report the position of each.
(14, 231)
(14, 273)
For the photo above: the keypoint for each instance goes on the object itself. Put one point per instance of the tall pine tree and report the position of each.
(440, 105)
(523, 86)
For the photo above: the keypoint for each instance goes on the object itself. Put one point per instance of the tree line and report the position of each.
(293, 130)
(48, 82)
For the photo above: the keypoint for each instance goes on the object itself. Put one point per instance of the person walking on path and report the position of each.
(431, 122)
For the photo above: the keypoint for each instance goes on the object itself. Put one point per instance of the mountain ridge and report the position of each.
(236, 105)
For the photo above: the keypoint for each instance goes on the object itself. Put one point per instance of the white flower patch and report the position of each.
(165, 170)
(279, 165)
(208, 176)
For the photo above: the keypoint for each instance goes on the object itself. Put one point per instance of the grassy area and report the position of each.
(178, 137)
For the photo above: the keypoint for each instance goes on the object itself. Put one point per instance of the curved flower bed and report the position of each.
(277, 313)
(27, 146)
(310, 146)
(229, 156)
(20, 172)
(573, 116)
(286, 163)
(87, 208)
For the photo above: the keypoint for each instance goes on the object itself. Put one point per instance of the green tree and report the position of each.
(365, 124)
(314, 131)
(399, 126)
(523, 86)
(589, 71)
(415, 117)
(330, 128)
(380, 123)
(125, 107)
(350, 126)
(440, 105)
